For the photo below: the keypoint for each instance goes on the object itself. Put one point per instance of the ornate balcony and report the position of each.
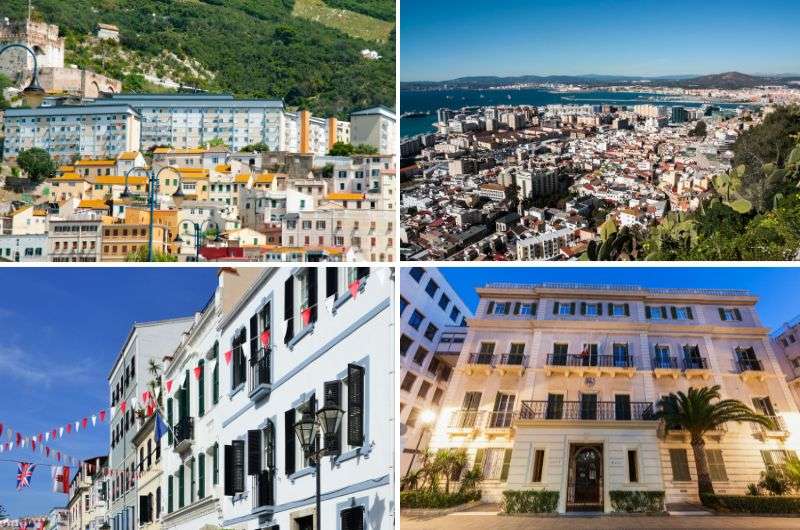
(500, 423)
(779, 431)
(466, 421)
(696, 367)
(750, 369)
(665, 367)
(512, 363)
(585, 411)
(480, 363)
(184, 434)
(681, 434)
(583, 365)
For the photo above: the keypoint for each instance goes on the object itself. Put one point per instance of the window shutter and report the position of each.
(737, 314)
(610, 309)
(270, 441)
(227, 466)
(506, 465)
(599, 308)
(253, 452)
(331, 282)
(362, 272)
(333, 398)
(627, 310)
(572, 308)
(647, 313)
(238, 465)
(201, 471)
(583, 308)
(490, 308)
(201, 390)
(169, 420)
(215, 383)
(480, 457)
(215, 464)
(288, 308)
(516, 308)
(142, 509)
(254, 339)
(689, 313)
(181, 485)
(721, 313)
(674, 312)
(355, 405)
(288, 438)
(555, 307)
(353, 518)
(312, 292)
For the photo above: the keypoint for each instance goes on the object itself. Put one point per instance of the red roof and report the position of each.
(213, 253)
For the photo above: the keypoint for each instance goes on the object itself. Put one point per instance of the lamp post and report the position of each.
(33, 93)
(307, 430)
(198, 231)
(152, 195)
(426, 418)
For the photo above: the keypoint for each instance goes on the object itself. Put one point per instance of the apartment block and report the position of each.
(556, 385)
(786, 341)
(376, 127)
(432, 330)
(88, 495)
(75, 240)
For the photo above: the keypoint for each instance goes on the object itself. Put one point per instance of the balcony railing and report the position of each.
(779, 425)
(264, 490)
(184, 430)
(500, 420)
(481, 358)
(606, 361)
(466, 419)
(749, 365)
(578, 410)
(514, 359)
(665, 363)
(260, 372)
(695, 363)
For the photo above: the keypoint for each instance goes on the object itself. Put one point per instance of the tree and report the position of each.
(699, 130)
(141, 255)
(216, 142)
(697, 413)
(260, 147)
(365, 149)
(327, 171)
(134, 83)
(341, 149)
(5, 82)
(37, 164)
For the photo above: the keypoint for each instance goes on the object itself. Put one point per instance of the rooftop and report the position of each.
(619, 288)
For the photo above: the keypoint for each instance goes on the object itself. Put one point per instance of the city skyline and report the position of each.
(48, 388)
(516, 39)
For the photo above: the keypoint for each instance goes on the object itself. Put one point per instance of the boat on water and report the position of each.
(415, 114)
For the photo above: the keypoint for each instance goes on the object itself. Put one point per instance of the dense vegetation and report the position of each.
(254, 48)
(374, 8)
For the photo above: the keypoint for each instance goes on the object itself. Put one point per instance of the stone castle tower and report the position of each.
(41, 37)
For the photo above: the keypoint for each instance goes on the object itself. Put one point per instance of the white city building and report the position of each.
(376, 127)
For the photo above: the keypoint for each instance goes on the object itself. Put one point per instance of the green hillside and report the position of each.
(251, 48)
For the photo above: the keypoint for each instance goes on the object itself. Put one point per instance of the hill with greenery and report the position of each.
(251, 48)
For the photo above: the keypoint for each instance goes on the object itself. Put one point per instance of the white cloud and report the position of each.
(38, 369)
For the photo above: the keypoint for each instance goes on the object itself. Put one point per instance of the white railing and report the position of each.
(621, 287)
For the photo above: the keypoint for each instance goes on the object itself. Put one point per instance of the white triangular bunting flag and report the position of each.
(47, 436)
(61, 432)
(133, 403)
(112, 412)
(94, 420)
(77, 426)
(383, 275)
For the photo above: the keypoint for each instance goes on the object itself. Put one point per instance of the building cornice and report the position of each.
(670, 296)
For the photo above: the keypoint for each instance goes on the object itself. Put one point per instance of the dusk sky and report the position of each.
(446, 39)
(60, 332)
(778, 289)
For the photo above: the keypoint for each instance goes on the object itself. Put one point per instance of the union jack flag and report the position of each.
(24, 474)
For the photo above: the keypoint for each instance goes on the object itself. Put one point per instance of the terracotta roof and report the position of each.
(171, 151)
(128, 155)
(119, 180)
(345, 196)
(93, 204)
(95, 163)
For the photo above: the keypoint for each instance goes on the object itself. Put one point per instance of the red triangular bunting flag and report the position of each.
(265, 338)
(198, 371)
(169, 385)
(47, 451)
(41, 437)
(145, 396)
(228, 356)
(354, 288)
(85, 422)
(122, 406)
(54, 434)
(69, 427)
(101, 415)
(19, 439)
(58, 456)
(306, 314)
(1, 429)
(33, 445)
(151, 408)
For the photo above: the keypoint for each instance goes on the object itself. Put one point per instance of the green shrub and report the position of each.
(752, 504)
(775, 482)
(436, 499)
(637, 501)
(530, 501)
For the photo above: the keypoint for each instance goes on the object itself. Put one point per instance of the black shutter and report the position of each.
(610, 310)
(253, 452)
(227, 467)
(355, 405)
(312, 292)
(721, 313)
(490, 308)
(647, 313)
(362, 272)
(737, 313)
(599, 308)
(332, 398)
(238, 465)
(516, 308)
(555, 308)
(572, 308)
(254, 339)
(689, 313)
(288, 308)
(583, 308)
(270, 443)
(288, 436)
(627, 310)
(331, 282)
(142, 509)
(674, 312)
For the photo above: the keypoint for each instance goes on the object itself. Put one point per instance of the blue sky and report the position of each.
(451, 38)
(60, 332)
(777, 288)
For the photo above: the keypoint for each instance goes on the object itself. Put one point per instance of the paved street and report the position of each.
(484, 521)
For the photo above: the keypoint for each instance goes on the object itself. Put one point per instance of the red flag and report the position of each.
(69, 427)
(145, 396)
(41, 437)
(151, 408)
(85, 422)
(47, 451)
(265, 338)
(58, 456)
(54, 434)
(61, 480)
(1, 429)
(306, 314)
(102, 416)
(33, 445)
(19, 439)
(169, 385)
(354, 285)
(198, 371)
(122, 406)
(228, 356)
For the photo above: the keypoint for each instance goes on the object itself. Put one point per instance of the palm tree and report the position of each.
(449, 462)
(695, 413)
(154, 369)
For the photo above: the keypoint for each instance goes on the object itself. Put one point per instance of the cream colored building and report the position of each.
(148, 484)
(556, 385)
(786, 341)
(88, 495)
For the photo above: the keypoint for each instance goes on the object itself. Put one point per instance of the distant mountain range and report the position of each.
(723, 80)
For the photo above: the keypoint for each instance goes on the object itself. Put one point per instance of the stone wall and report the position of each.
(77, 82)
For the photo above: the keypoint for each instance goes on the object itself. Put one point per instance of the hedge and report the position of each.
(637, 501)
(783, 504)
(436, 499)
(530, 501)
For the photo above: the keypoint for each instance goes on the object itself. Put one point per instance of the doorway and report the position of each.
(585, 486)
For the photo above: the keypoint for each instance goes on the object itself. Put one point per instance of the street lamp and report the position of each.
(327, 420)
(33, 93)
(152, 195)
(426, 418)
(198, 233)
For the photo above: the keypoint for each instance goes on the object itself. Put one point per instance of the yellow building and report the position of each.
(148, 464)
(69, 185)
(121, 239)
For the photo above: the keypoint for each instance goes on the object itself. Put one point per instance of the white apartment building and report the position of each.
(556, 384)
(101, 131)
(538, 246)
(77, 239)
(23, 248)
(128, 378)
(233, 458)
(432, 330)
(377, 127)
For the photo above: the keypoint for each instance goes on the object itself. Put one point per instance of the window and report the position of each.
(408, 381)
(538, 465)
(416, 319)
(352, 518)
(420, 355)
(454, 314)
(776, 458)
(728, 315)
(501, 308)
(411, 421)
(416, 273)
(437, 396)
(619, 310)
(430, 331)
(661, 358)
(564, 309)
(716, 466)
(527, 309)
(682, 313)
(405, 344)
(591, 309)
(633, 470)
(680, 465)
(444, 301)
(622, 407)
(424, 388)
(655, 313)
(494, 463)
(555, 407)
(403, 304)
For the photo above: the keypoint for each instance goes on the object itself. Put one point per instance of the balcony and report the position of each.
(583, 365)
(263, 492)
(666, 367)
(512, 363)
(682, 435)
(500, 423)
(260, 380)
(696, 367)
(750, 369)
(480, 364)
(779, 431)
(586, 411)
(466, 421)
(184, 434)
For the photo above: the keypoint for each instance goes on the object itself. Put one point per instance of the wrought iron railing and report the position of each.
(500, 419)
(261, 371)
(666, 363)
(618, 288)
(481, 358)
(514, 359)
(184, 430)
(778, 425)
(749, 365)
(585, 410)
(695, 363)
(466, 419)
(614, 361)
